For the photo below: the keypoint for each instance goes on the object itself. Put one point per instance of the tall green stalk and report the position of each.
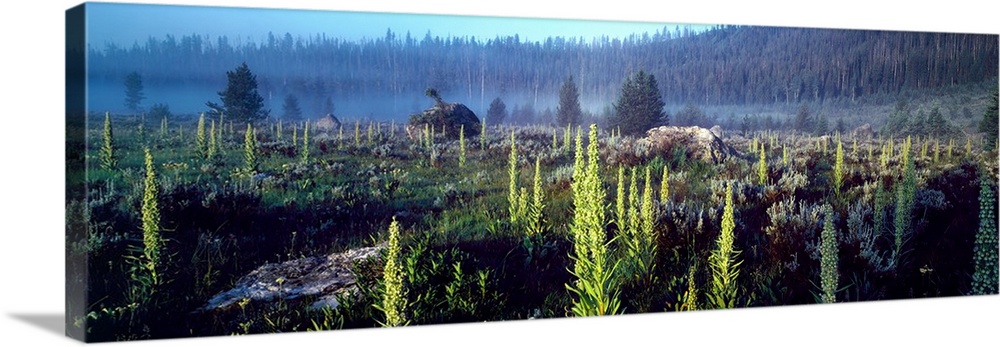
(250, 161)
(151, 222)
(305, 144)
(201, 139)
(595, 288)
(512, 194)
(108, 159)
(984, 254)
(394, 300)
(828, 259)
(461, 146)
(725, 268)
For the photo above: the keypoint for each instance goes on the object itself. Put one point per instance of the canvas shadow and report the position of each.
(51, 322)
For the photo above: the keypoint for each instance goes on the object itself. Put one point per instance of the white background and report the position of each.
(32, 217)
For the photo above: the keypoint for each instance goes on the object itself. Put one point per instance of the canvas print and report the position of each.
(293, 170)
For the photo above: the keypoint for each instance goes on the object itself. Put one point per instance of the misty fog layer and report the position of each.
(386, 78)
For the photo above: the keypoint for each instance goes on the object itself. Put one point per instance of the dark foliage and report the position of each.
(569, 104)
(639, 106)
(133, 92)
(240, 99)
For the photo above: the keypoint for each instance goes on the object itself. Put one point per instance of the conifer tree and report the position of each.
(568, 111)
(639, 106)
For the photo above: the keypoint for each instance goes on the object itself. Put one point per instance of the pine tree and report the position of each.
(108, 159)
(291, 107)
(989, 124)
(240, 99)
(639, 106)
(496, 113)
(568, 111)
(133, 92)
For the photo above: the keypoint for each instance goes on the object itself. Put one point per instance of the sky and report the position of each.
(125, 24)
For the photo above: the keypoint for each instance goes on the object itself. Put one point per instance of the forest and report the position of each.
(726, 65)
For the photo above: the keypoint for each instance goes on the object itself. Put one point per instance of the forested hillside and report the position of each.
(726, 65)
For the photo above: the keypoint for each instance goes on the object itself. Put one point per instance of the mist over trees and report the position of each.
(569, 104)
(133, 92)
(726, 65)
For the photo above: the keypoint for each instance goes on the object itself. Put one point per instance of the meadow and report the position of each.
(523, 222)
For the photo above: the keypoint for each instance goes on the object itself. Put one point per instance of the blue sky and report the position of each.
(125, 24)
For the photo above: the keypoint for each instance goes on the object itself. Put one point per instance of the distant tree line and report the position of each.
(724, 65)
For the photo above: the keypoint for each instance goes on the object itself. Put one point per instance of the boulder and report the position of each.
(699, 143)
(317, 279)
(717, 131)
(327, 123)
(864, 131)
(445, 116)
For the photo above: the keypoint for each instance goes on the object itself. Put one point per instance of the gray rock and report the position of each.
(318, 279)
(327, 123)
(699, 143)
(445, 116)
